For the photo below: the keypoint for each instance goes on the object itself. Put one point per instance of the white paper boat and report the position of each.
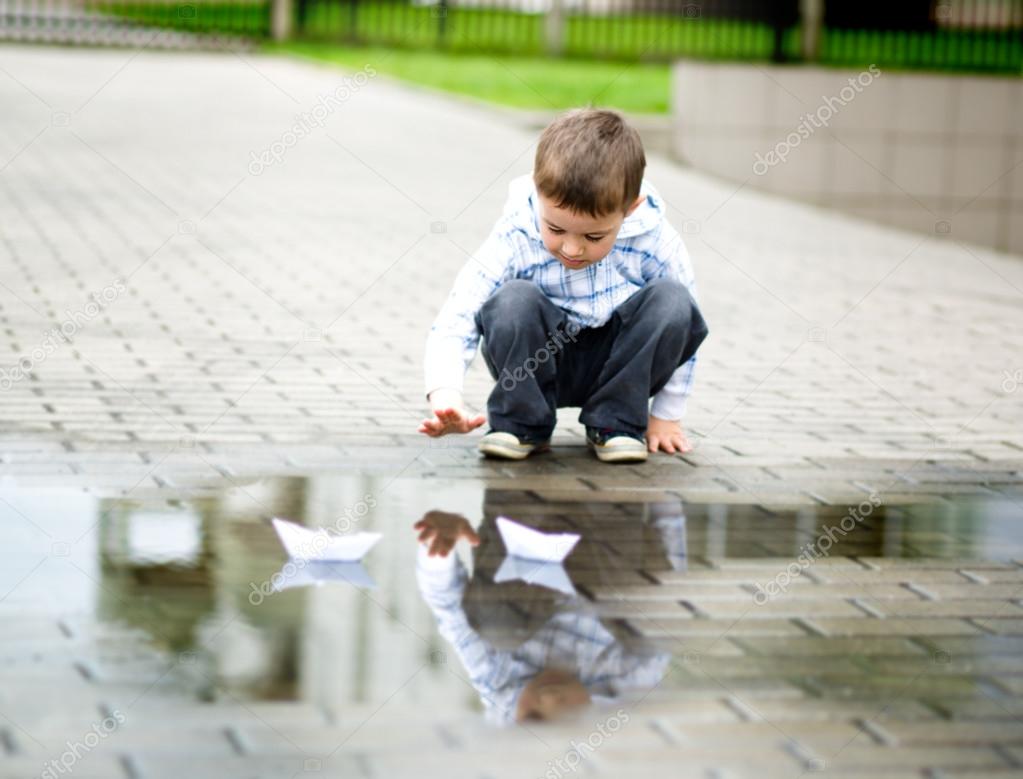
(301, 543)
(529, 544)
(550, 575)
(319, 572)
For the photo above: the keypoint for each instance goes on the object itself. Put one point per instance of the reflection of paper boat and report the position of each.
(307, 573)
(550, 575)
(529, 544)
(302, 543)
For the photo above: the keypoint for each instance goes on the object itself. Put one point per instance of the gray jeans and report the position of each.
(542, 362)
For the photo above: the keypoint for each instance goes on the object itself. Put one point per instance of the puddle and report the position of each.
(198, 595)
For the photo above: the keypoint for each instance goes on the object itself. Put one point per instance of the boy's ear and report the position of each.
(636, 204)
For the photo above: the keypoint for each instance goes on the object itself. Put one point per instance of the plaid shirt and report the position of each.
(570, 640)
(647, 248)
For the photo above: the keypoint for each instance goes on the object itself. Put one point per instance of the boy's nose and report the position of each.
(571, 250)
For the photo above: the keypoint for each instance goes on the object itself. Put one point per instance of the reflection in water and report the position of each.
(316, 573)
(172, 578)
(532, 653)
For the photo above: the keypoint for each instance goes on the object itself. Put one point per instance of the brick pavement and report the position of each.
(273, 323)
(276, 320)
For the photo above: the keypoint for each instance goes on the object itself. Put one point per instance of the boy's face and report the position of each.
(579, 240)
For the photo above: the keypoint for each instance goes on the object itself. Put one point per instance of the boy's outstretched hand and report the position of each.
(665, 435)
(449, 415)
(441, 531)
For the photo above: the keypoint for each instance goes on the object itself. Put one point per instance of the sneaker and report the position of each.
(614, 446)
(509, 447)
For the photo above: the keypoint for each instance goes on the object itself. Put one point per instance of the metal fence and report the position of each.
(979, 35)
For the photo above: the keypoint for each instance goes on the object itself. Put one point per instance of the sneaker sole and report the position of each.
(619, 455)
(505, 452)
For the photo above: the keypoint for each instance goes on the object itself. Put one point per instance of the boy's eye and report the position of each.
(594, 238)
(556, 230)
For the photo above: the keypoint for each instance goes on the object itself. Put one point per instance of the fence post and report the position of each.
(554, 28)
(812, 13)
(282, 14)
(441, 12)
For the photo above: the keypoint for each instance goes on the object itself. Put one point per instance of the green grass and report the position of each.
(634, 37)
(522, 82)
(249, 18)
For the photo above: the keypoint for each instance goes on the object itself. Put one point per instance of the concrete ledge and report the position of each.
(933, 153)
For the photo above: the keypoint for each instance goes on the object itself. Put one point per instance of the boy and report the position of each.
(584, 296)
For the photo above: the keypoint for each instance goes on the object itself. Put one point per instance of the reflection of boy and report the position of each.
(571, 660)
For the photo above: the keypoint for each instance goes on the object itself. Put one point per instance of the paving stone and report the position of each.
(684, 712)
(892, 627)
(815, 646)
(91, 767)
(864, 758)
(839, 710)
(892, 576)
(950, 608)
(707, 628)
(992, 708)
(1001, 627)
(953, 733)
(748, 608)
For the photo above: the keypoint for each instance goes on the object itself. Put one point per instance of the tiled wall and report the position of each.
(935, 153)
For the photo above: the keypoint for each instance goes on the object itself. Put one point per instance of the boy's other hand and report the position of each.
(665, 435)
(441, 531)
(449, 415)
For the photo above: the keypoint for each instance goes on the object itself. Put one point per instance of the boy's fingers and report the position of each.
(432, 424)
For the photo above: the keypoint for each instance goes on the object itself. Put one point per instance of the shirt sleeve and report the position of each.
(671, 260)
(454, 337)
(442, 583)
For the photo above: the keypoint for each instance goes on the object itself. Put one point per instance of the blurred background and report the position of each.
(907, 113)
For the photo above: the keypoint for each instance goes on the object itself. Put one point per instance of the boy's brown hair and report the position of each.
(590, 161)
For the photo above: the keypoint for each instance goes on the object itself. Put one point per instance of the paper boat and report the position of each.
(529, 544)
(550, 575)
(301, 543)
(319, 572)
